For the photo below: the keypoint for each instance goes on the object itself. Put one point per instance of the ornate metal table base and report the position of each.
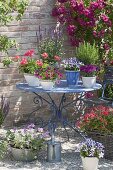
(57, 117)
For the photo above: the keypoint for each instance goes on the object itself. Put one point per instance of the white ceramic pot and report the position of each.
(47, 84)
(89, 82)
(90, 163)
(32, 80)
(24, 154)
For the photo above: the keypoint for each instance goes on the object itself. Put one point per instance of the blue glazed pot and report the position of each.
(72, 77)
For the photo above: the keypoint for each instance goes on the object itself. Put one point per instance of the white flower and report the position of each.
(101, 155)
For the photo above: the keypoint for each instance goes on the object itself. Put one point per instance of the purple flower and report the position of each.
(62, 1)
(71, 29)
(91, 148)
(30, 126)
(55, 12)
(46, 135)
(40, 130)
(88, 70)
(72, 64)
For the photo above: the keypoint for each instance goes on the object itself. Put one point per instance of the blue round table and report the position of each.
(56, 116)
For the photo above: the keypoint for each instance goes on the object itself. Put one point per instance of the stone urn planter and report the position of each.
(24, 154)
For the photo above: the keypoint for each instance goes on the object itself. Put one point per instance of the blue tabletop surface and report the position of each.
(59, 88)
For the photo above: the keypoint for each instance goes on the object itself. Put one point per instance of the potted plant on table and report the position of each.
(89, 73)
(50, 47)
(87, 53)
(97, 123)
(72, 70)
(90, 152)
(26, 143)
(48, 75)
(28, 65)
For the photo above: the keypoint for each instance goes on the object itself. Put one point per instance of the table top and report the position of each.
(58, 88)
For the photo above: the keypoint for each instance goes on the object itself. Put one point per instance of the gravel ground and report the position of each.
(70, 159)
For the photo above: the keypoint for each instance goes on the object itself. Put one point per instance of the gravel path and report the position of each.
(70, 159)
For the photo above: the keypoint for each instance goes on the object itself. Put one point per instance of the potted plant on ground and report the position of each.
(88, 73)
(28, 65)
(97, 123)
(48, 75)
(90, 152)
(72, 70)
(26, 143)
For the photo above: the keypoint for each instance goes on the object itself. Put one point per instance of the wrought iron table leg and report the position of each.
(56, 115)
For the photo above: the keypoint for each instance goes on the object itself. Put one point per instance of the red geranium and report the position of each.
(29, 53)
(24, 61)
(98, 118)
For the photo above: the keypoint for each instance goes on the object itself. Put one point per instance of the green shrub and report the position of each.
(87, 53)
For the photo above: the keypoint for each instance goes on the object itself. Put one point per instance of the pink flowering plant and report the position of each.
(27, 138)
(87, 20)
(48, 72)
(28, 64)
(88, 70)
(50, 48)
(90, 148)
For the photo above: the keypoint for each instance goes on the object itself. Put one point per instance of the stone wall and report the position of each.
(24, 31)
